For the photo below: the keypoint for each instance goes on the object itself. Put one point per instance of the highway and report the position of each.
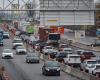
(70, 35)
(19, 70)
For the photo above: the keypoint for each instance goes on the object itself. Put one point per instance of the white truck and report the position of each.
(72, 59)
(88, 65)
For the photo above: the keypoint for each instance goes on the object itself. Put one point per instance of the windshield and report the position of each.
(52, 64)
(17, 41)
(62, 55)
(48, 47)
(20, 47)
(64, 46)
(7, 51)
(68, 50)
(74, 56)
(91, 62)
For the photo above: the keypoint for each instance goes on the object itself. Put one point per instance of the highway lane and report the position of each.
(19, 70)
(71, 35)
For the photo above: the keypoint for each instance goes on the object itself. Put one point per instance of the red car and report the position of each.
(87, 55)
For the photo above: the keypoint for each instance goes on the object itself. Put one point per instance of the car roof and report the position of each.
(90, 60)
(7, 50)
(21, 46)
(31, 54)
(73, 55)
(48, 46)
(51, 61)
(68, 48)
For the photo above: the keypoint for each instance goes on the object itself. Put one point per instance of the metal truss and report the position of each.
(55, 2)
(76, 3)
(6, 4)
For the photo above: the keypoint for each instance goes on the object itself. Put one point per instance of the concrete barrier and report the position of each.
(73, 71)
(77, 73)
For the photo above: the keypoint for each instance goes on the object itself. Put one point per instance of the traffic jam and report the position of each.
(49, 45)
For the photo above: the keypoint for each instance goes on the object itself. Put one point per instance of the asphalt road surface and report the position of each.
(70, 35)
(19, 70)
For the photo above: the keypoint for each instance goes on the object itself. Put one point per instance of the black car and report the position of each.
(32, 58)
(60, 56)
(51, 68)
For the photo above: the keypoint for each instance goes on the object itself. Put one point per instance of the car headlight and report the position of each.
(58, 69)
(47, 69)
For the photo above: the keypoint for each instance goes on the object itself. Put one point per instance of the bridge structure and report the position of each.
(67, 12)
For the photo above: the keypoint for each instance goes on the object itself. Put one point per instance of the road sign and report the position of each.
(79, 34)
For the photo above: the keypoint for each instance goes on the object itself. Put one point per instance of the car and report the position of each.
(32, 58)
(48, 49)
(68, 50)
(6, 35)
(17, 33)
(41, 45)
(17, 42)
(79, 51)
(52, 54)
(21, 50)
(87, 55)
(60, 56)
(73, 59)
(88, 65)
(51, 68)
(7, 53)
(96, 42)
(62, 47)
(96, 70)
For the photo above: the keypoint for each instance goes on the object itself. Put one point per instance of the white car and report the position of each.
(21, 50)
(7, 53)
(48, 49)
(17, 42)
(6, 35)
(62, 47)
(73, 59)
(68, 50)
(88, 65)
(96, 69)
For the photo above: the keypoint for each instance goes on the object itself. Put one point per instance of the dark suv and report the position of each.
(60, 56)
